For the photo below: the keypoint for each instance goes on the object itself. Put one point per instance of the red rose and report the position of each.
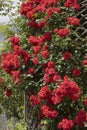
(84, 62)
(67, 55)
(51, 64)
(33, 24)
(55, 30)
(48, 112)
(76, 72)
(63, 32)
(41, 24)
(36, 61)
(77, 7)
(47, 78)
(45, 47)
(73, 21)
(35, 100)
(51, 71)
(47, 36)
(15, 40)
(50, 11)
(36, 49)
(81, 118)
(66, 124)
(31, 71)
(45, 92)
(57, 9)
(56, 78)
(45, 54)
(85, 102)
(8, 92)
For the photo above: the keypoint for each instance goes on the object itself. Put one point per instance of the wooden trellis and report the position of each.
(31, 114)
(81, 32)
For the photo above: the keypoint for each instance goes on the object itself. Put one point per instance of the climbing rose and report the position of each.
(67, 55)
(76, 72)
(85, 102)
(8, 92)
(47, 36)
(15, 40)
(45, 54)
(51, 64)
(63, 32)
(35, 61)
(73, 21)
(35, 100)
(66, 124)
(81, 118)
(48, 112)
(84, 62)
(31, 71)
(45, 92)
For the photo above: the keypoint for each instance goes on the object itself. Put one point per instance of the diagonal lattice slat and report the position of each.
(82, 15)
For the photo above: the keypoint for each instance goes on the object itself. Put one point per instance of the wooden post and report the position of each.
(31, 114)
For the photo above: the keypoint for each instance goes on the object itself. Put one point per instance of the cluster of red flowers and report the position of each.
(36, 41)
(50, 73)
(48, 112)
(72, 3)
(11, 61)
(15, 40)
(81, 118)
(48, 98)
(67, 89)
(73, 21)
(30, 8)
(62, 32)
(66, 124)
(48, 8)
(35, 100)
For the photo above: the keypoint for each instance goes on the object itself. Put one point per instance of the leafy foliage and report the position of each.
(44, 58)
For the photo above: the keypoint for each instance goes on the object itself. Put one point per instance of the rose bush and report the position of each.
(51, 63)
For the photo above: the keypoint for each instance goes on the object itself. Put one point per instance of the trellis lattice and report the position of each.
(81, 32)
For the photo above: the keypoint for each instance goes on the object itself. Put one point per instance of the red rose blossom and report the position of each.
(81, 118)
(85, 101)
(63, 32)
(66, 124)
(8, 92)
(45, 54)
(74, 21)
(31, 71)
(67, 55)
(15, 40)
(76, 72)
(35, 61)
